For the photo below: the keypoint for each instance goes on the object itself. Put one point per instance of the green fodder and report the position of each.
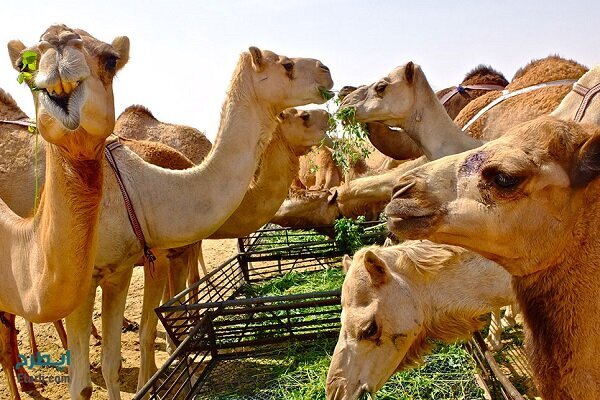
(448, 374)
(273, 239)
(299, 282)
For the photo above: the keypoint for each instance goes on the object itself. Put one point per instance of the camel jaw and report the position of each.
(66, 108)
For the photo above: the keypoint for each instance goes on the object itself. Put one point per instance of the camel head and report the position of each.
(308, 208)
(382, 318)
(284, 82)
(72, 82)
(303, 129)
(518, 200)
(389, 99)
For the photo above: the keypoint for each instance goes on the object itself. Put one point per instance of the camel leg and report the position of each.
(62, 334)
(79, 324)
(154, 287)
(114, 294)
(180, 269)
(493, 339)
(509, 319)
(7, 352)
(32, 341)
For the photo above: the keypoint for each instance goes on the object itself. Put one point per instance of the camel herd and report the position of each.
(511, 190)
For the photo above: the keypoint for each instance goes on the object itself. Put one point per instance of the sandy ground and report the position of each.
(215, 251)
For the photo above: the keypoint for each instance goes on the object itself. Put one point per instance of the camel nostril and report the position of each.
(401, 189)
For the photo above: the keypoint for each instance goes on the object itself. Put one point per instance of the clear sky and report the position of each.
(183, 52)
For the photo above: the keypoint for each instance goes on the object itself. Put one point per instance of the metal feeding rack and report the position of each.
(231, 340)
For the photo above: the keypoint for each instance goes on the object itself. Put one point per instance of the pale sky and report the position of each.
(183, 52)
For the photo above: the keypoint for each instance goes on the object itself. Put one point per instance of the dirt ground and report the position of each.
(215, 251)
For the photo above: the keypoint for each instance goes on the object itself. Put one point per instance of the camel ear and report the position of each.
(409, 71)
(377, 268)
(346, 263)
(121, 46)
(15, 47)
(257, 57)
(587, 162)
(333, 194)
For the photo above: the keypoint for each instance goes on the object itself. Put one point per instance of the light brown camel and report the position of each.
(296, 133)
(308, 208)
(176, 208)
(396, 299)
(137, 122)
(52, 253)
(476, 83)
(404, 99)
(529, 201)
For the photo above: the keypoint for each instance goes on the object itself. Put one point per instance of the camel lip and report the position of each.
(65, 109)
(408, 227)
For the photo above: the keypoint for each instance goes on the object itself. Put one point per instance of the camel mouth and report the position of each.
(406, 218)
(65, 107)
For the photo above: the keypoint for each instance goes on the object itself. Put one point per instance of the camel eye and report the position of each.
(506, 181)
(371, 331)
(305, 116)
(380, 87)
(288, 65)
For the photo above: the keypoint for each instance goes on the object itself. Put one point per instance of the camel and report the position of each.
(396, 299)
(308, 208)
(501, 201)
(183, 210)
(52, 253)
(404, 99)
(296, 133)
(570, 106)
(137, 122)
(176, 208)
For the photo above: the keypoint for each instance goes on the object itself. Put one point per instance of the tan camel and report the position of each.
(177, 208)
(296, 133)
(182, 209)
(476, 83)
(308, 208)
(528, 201)
(404, 99)
(396, 299)
(137, 122)
(75, 113)
(397, 145)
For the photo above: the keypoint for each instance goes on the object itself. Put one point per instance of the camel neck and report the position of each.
(57, 246)
(265, 195)
(560, 305)
(181, 207)
(450, 297)
(431, 127)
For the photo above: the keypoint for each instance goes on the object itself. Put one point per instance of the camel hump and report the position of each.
(551, 68)
(139, 110)
(158, 154)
